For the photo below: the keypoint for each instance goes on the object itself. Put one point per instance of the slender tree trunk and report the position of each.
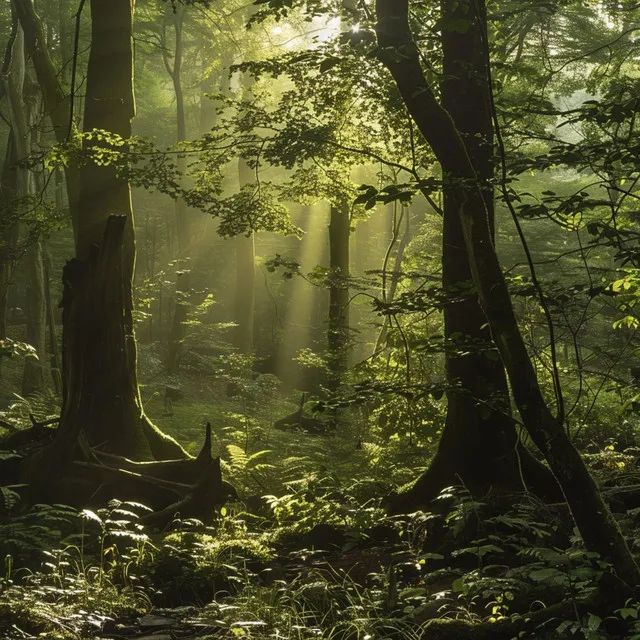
(10, 228)
(177, 334)
(180, 315)
(599, 530)
(173, 65)
(57, 103)
(388, 293)
(33, 378)
(245, 251)
(22, 115)
(338, 333)
(55, 362)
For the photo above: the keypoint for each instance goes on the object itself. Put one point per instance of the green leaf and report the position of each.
(90, 515)
(593, 622)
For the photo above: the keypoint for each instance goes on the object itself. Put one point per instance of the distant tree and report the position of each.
(23, 101)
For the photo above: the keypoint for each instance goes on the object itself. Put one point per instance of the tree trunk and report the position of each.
(22, 115)
(55, 363)
(245, 276)
(175, 16)
(33, 377)
(178, 329)
(57, 104)
(479, 445)
(338, 333)
(9, 234)
(101, 392)
(599, 530)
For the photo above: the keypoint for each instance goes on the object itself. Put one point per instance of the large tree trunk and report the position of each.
(479, 446)
(599, 530)
(101, 392)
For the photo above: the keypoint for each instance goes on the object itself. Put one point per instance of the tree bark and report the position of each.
(57, 103)
(479, 446)
(179, 329)
(245, 276)
(338, 333)
(33, 377)
(400, 55)
(101, 394)
(54, 351)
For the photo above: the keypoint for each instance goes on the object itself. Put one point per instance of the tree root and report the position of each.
(192, 487)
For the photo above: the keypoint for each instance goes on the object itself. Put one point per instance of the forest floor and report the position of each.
(308, 550)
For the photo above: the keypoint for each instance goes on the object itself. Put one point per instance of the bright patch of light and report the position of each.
(610, 24)
(553, 52)
(330, 30)
(276, 31)
(355, 28)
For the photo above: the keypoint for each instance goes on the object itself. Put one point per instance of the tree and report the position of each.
(100, 389)
(245, 284)
(400, 55)
(480, 446)
(100, 354)
(338, 332)
(184, 223)
(23, 111)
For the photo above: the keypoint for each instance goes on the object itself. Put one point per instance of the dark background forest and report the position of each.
(319, 319)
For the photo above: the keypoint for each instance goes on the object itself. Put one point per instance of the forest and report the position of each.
(319, 319)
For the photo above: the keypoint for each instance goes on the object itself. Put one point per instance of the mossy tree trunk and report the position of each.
(400, 55)
(100, 387)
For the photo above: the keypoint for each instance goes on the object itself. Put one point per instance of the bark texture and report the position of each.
(100, 387)
(338, 333)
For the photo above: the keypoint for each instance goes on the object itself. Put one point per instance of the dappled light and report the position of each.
(319, 319)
